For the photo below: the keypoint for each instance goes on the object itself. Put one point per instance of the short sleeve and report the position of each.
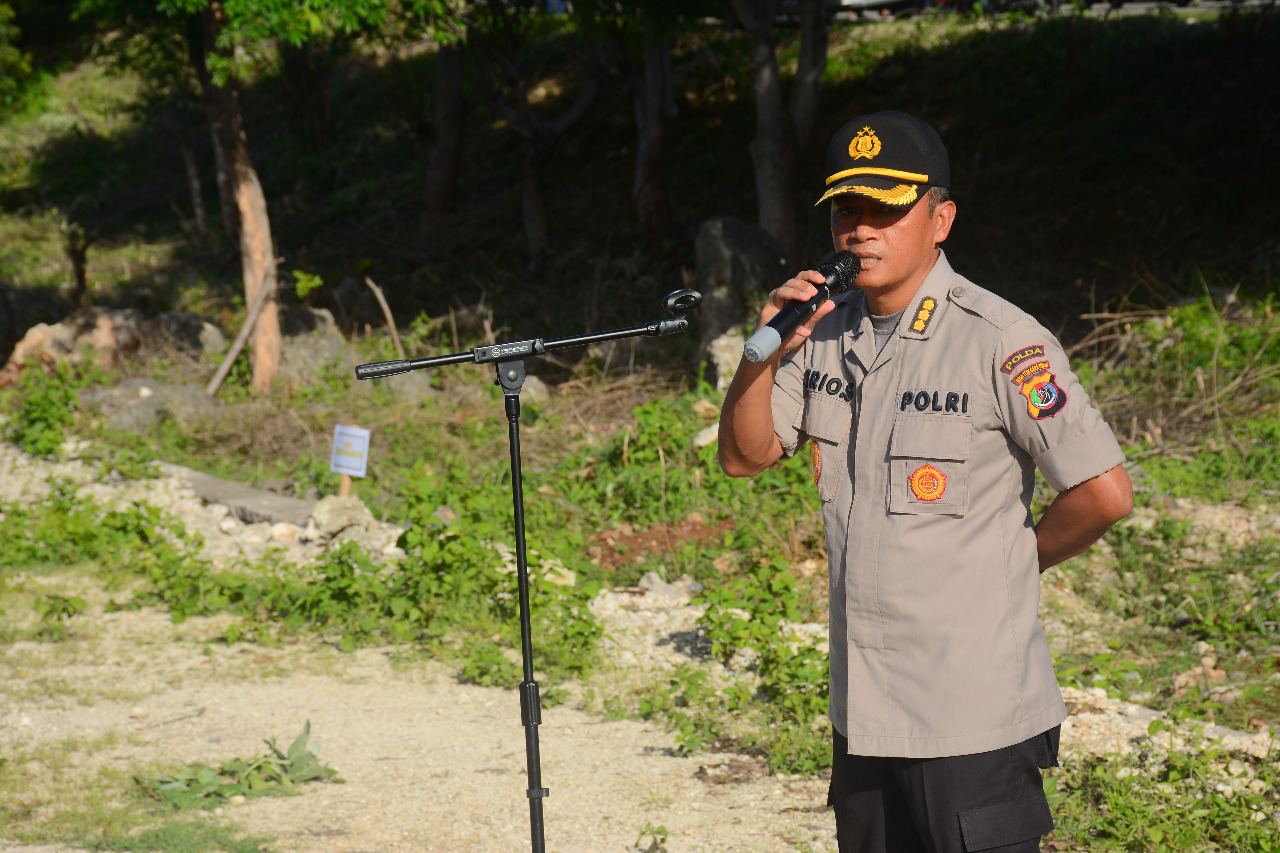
(788, 403)
(1046, 410)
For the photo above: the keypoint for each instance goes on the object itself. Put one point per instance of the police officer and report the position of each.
(929, 403)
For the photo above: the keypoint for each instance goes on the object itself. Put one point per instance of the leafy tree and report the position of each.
(15, 66)
(219, 36)
(446, 23)
(508, 38)
(640, 33)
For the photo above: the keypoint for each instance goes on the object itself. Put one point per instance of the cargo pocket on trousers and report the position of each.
(1006, 823)
(828, 426)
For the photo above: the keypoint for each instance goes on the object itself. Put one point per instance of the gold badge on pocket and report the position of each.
(928, 483)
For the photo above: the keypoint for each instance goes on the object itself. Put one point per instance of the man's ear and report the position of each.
(943, 216)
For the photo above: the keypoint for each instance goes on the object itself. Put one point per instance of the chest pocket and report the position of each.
(827, 424)
(929, 465)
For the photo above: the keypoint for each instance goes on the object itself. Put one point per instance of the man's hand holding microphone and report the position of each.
(747, 442)
(796, 307)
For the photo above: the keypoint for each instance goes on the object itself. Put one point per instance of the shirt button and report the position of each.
(958, 292)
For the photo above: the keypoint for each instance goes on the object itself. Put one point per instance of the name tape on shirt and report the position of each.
(955, 402)
(832, 385)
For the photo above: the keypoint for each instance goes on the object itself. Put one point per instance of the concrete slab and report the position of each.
(250, 505)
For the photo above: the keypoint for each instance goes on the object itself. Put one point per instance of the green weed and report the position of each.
(657, 838)
(46, 410)
(54, 612)
(778, 708)
(67, 530)
(486, 664)
(274, 773)
(1173, 603)
(1203, 800)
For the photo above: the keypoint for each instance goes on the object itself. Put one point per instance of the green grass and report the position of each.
(1205, 801)
(1072, 193)
(59, 793)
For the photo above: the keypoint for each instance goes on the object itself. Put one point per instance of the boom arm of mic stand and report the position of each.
(677, 302)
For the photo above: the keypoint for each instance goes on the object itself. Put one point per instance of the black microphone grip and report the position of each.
(768, 338)
(382, 368)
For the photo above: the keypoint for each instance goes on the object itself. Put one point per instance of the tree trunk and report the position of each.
(257, 253)
(537, 231)
(222, 175)
(655, 112)
(306, 73)
(77, 244)
(499, 48)
(806, 92)
(193, 177)
(446, 147)
(773, 151)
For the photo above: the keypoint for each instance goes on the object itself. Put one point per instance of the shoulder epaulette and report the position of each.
(976, 300)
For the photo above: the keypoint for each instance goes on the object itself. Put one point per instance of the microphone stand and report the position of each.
(509, 359)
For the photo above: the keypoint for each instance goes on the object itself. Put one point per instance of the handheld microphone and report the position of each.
(839, 270)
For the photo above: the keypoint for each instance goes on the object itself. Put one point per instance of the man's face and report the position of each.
(897, 248)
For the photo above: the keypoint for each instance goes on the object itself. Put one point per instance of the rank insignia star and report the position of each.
(924, 313)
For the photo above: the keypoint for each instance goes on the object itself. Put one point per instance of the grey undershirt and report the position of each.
(884, 327)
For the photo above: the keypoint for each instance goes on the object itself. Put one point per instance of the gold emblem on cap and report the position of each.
(865, 144)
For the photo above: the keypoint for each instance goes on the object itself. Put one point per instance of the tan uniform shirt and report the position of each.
(924, 457)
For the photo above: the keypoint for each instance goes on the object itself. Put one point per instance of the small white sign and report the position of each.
(350, 450)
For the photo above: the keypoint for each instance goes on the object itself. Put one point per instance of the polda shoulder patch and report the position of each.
(1030, 371)
(1035, 351)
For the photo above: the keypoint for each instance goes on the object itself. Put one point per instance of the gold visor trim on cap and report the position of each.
(901, 194)
(884, 173)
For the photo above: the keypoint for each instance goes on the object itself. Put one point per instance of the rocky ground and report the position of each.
(429, 764)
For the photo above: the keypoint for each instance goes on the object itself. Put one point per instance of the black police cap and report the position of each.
(889, 156)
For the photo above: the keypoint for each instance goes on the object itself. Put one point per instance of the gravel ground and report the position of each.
(429, 764)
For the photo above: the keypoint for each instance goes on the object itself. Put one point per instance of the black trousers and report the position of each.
(959, 804)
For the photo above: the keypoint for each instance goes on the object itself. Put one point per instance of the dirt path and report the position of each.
(429, 764)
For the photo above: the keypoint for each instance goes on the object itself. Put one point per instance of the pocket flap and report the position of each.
(827, 421)
(1006, 823)
(931, 437)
